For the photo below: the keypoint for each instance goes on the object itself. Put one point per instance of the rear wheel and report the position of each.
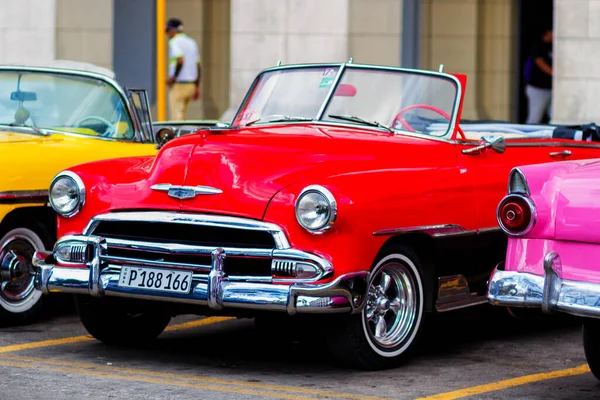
(591, 345)
(122, 322)
(20, 302)
(385, 333)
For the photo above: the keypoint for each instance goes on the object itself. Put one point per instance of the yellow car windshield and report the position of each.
(64, 102)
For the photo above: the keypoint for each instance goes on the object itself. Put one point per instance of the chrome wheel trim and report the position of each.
(394, 306)
(20, 296)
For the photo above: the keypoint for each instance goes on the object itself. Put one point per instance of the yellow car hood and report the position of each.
(29, 162)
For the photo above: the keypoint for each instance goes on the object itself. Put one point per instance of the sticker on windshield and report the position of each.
(327, 78)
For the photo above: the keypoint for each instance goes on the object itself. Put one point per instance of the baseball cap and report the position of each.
(174, 23)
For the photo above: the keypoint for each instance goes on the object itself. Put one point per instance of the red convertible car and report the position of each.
(340, 189)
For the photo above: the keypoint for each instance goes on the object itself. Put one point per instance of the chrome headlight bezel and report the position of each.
(79, 189)
(332, 205)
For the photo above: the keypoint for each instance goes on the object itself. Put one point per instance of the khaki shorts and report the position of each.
(179, 100)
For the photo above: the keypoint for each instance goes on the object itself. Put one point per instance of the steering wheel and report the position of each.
(110, 129)
(398, 117)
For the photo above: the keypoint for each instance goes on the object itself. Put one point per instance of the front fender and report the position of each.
(349, 245)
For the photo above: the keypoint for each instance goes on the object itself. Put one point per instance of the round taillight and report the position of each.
(516, 215)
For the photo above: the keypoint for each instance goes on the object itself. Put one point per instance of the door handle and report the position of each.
(563, 154)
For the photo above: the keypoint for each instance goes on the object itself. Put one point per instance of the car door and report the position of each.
(489, 169)
(575, 150)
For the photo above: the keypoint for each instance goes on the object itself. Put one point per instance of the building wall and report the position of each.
(576, 62)
(215, 53)
(27, 31)
(477, 38)
(238, 38)
(375, 31)
(264, 32)
(298, 31)
(84, 30)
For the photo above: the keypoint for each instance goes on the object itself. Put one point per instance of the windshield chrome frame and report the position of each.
(341, 68)
(138, 136)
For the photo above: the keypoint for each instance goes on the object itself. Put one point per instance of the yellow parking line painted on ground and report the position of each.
(508, 383)
(196, 323)
(44, 343)
(85, 338)
(193, 378)
(147, 379)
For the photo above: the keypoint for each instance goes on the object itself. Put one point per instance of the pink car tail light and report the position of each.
(516, 215)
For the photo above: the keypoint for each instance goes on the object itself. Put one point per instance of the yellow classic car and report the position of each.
(53, 117)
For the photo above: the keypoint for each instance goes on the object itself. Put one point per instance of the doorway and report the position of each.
(533, 17)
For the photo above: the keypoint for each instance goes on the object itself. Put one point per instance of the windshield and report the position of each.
(69, 103)
(393, 99)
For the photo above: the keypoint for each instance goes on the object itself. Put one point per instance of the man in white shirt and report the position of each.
(184, 70)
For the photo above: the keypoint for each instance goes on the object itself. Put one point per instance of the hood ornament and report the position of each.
(185, 192)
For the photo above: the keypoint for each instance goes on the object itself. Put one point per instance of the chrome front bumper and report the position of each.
(549, 292)
(346, 294)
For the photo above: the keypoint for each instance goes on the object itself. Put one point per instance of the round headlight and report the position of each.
(316, 209)
(67, 194)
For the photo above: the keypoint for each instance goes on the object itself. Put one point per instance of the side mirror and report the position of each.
(163, 136)
(496, 143)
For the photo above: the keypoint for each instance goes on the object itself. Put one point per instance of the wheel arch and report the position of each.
(421, 244)
(25, 216)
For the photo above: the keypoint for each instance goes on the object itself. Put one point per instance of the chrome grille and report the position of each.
(184, 241)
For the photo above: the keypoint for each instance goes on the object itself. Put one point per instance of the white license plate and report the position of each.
(155, 279)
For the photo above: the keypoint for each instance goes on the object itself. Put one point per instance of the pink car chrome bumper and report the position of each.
(550, 291)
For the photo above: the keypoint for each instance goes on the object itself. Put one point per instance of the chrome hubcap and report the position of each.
(12, 267)
(16, 271)
(391, 306)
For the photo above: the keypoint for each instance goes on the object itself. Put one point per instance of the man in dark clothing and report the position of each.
(538, 77)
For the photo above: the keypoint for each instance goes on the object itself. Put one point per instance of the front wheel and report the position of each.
(591, 345)
(385, 333)
(20, 302)
(122, 322)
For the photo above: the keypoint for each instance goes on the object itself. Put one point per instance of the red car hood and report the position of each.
(578, 205)
(251, 165)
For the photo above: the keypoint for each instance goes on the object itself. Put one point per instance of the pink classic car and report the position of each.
(552, 217)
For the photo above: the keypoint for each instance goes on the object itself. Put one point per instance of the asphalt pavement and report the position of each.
(479, 353)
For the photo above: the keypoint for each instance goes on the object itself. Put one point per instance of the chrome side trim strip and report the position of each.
(431, 230)
(545, 143)
(435, 231)
(24, 196)
(281, 241)
(489, 230)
